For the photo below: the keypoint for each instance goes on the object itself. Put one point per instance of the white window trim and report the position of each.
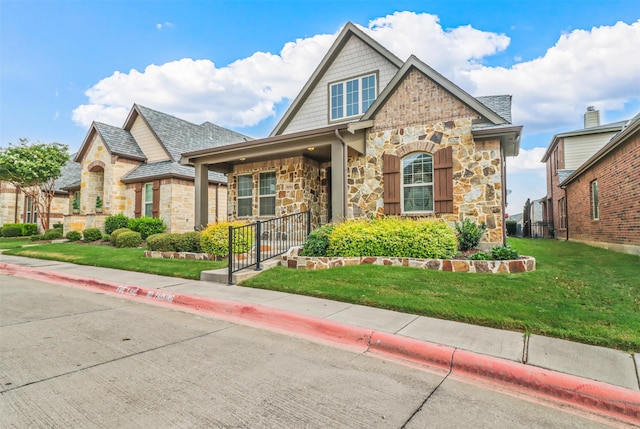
(260, 196)
(403, 186)
(343, 83)
(249, 197)
(595, 200)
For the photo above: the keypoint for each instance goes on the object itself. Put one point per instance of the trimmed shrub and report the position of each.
(128, 239)
(481, 256)
(73, 236)
(37, 237)
(106, 237)
(317, 243)
(469, 234)
(11, 231)
(512, 227)
(58, 226)
(92, 234)
(393, 236)
(114, 234)
(111, 223)
(188, 242)
(215, 239)
(29, 229)
(501, 253)
(163, 242)
(52, 234)
(146, 226)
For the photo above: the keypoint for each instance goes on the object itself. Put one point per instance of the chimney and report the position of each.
(591, 117)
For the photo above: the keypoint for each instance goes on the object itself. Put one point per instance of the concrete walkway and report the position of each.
(604, 380)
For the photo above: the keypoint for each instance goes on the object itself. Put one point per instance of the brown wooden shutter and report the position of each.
(391, 177)
(443, 180)
(155, 208)
(137, 207)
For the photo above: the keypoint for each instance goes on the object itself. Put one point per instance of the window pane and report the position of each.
(267, 206)
(594, 197)
(417, 169)
(268, 183)
(244, 207)
(352, 98)
(336, 101)
(245, 186)
(368, 91)
(418, 198)
(148, 209)
(417, 183)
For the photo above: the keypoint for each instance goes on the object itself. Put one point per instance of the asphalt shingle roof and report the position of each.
(168, 168)
(501, 104)
(119, 141)
(69, 175)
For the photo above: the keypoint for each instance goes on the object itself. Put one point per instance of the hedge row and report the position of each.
(18, 229)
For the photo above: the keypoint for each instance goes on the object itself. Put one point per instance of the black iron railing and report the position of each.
(252, 244)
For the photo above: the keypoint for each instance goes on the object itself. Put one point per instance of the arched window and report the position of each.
(417, 183)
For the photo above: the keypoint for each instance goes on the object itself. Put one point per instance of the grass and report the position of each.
(12, 243)
(124, 259)
(577, 292)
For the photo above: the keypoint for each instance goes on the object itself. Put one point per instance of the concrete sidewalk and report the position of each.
(504, 356)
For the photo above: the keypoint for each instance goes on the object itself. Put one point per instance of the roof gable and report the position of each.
(349, 35)
(116, 140)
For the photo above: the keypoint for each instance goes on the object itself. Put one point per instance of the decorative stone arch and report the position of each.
(94, 186)
(417, 146)
(96, 166)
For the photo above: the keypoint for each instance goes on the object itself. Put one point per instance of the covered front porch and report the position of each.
(282, 175)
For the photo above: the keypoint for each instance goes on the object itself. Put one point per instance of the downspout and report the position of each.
(503, 180)
(344, 173)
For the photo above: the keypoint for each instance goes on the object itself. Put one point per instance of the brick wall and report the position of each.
(619, 194)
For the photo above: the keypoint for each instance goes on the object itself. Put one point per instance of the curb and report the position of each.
(594, 396)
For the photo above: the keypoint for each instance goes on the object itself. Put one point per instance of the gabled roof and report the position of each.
(631, 127)
(501, 104)
(178, 136)
(160, 169)
(349, 30)
(606, 128)
(69, 176)
(462, 95)
(117, 141)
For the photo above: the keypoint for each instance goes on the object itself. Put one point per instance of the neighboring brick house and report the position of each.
(603, 194)
(566, 152)
(135, 171)
(370, 135)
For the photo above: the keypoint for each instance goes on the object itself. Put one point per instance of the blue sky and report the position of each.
(240, 63)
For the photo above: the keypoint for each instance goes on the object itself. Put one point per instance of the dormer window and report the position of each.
(352, 97)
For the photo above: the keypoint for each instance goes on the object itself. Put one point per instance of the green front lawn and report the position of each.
(123, 259)
(577, 292)
(12, 243)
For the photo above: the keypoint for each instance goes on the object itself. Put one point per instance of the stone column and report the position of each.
(201, 217)
(338, 181)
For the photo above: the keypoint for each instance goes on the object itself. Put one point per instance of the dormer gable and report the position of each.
(350, 76)
(145, 136)
(117, 142)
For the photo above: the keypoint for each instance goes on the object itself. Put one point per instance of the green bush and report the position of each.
(481, 256)
(29, 229)
(115, 233)
(11, 231)
(393, 236)
(92, 234)
(52, 234)
(501, 253)
(469, 234)
(111, 223)
(189, 242)
(106, 237)
(163, 242)
(215, 239)
(73, 236)
(317, 243)
(59, 226)
(37, 237)
(128, 239)
(512, 228)
(146, 226)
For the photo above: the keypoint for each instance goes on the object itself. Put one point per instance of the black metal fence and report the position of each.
(252, 244)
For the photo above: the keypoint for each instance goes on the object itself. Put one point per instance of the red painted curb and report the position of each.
(422, 352)
(595, 396)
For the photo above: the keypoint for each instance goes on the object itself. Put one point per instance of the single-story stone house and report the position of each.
(368, 135)
(135, 170)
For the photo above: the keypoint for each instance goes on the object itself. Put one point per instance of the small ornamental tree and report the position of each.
(34, 168)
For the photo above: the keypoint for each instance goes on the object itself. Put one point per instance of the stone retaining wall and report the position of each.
(180, 255)
(525, 264)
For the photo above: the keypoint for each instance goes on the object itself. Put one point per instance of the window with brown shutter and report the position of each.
(155, 210)
(443, 180)
(391, 177)
(137, 207)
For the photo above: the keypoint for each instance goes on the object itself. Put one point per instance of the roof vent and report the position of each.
(591, 117)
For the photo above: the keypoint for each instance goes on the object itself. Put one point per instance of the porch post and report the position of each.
(338, 178)
(201, 205)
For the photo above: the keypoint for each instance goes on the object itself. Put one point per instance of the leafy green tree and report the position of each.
(34, 168)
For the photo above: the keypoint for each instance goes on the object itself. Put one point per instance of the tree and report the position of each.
(34, 168)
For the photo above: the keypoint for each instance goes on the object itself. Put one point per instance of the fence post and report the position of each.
(230, 252)
(308, 222)
(258, 250)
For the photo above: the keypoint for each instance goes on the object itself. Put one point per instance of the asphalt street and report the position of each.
(70, 358)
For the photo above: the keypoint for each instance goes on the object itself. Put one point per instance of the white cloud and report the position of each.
(159, 26)
(528, 160)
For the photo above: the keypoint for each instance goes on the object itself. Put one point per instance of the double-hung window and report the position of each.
(268, 193)
(31, 210)
(148, 199)
(245, 195)
(352, 97)
(595, 200)
(417, 183)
